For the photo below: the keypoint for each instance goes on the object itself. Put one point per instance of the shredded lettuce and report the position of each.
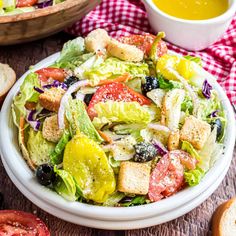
(66, 186)
(39, 148)
(114, 199)
(27, 94)
(137, 200)
(127, 112)
(113, 67)
(78, 119)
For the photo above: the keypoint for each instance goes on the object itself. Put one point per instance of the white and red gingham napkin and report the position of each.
(124, 17)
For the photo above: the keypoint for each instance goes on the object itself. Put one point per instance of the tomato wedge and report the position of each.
(144, 42)
(54, 73)
(115, 92)
(21, 223)
(168, 176)
(25, 3)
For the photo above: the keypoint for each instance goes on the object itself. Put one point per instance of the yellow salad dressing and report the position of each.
(193, 9)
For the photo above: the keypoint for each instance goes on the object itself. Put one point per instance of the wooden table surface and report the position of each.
(195, 223)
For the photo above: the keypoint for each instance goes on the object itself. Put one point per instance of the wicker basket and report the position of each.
(42, 22)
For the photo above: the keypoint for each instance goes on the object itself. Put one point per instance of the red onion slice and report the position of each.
(158, 127)
(73, 88)
(160, 148)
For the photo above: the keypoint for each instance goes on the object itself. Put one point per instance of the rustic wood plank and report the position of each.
(197, 222)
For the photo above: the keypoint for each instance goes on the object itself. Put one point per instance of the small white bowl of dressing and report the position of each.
(193, 25)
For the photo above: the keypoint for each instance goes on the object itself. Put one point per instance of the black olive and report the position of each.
(71, 80)
(88, 98)
(1, 200)
(144, 152)
(149, 84)
(219, 127)
(45, 174)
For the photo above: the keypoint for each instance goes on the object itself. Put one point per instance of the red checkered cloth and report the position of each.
(124, 17)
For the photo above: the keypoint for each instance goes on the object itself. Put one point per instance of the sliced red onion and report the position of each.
(214, 114)
(206, 89)
(39, 90)
(192, 94)
(160, 148)
(35, 124)
(73, 88)
(80, 96)
(158, 127)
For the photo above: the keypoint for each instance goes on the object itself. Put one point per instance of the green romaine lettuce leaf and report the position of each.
(138, 200)
(193, 177)
(186, 146)
(27, 94)
(78, 119)
(71, 54)
(113, 67)
(114, 199)
(127, 112)
(56, 156)
(39, 148)
(66, 186)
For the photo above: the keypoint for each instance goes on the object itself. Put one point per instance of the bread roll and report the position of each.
(224, 219)
(7, 79)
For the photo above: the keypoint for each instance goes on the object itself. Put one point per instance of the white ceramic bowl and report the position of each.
(108, 217)
(189, 34)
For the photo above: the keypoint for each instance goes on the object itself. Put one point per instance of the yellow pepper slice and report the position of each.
(85, 160)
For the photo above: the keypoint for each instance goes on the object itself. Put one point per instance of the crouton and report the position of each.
(124, 52)
(134, 177)
(51, 99)
(97, 40)
(195, 131)
(173, 140)
(51, 131)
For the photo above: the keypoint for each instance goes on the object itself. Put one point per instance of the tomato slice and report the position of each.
(167, 178)
(144, 42)
(115, 92)
(21, 223)
(54, 73)
(26, 3)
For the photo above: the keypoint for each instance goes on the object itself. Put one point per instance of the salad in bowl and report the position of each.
(119, 122)
(12, 7)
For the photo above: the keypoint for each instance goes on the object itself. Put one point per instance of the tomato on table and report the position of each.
(21, 223)
(115, 92)
(144, 43)
(54, 73)
(25, 3)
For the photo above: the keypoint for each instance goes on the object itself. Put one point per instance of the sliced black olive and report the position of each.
(144, 152)
(88, 98)
(149, 84)
(45, 174)
(71, 80)
(219, 127)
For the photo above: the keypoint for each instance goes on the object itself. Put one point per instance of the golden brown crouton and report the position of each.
(97, 40)
(51, 131)
(124, 51)
(195, 131)
(173, 140)
(134, 177)
(51, 99)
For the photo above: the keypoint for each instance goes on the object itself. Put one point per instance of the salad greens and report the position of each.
(117, 132)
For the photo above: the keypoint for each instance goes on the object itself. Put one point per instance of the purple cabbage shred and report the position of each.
(39, 90)
(214, 114)
(206, 89)
(161, 150)
(45, 4)
(56, 84)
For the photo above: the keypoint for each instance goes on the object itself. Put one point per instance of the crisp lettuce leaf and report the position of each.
(113, 67)
(186, 146)
(197, 60)
(66, 186)
(187, 105)
(114, 199)
(39, 148)
(127, 112)
(56, 156)
(193, 177)
(71, 53)
(78, 119)
(27, 94)
(137, 200)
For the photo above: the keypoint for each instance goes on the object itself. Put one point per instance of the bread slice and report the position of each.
(7, 79)
(224, 219)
